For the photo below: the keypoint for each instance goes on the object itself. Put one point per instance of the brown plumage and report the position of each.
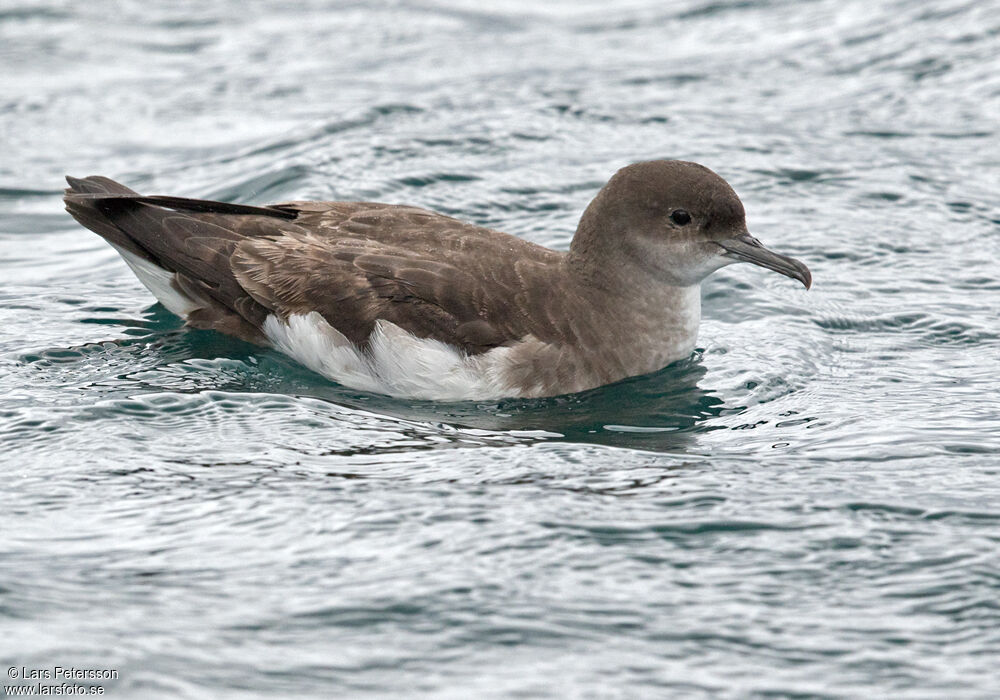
(570, 320)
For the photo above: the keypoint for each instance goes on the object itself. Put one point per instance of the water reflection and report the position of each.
(661, 411)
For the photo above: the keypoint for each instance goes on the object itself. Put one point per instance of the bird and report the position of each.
(400, 300)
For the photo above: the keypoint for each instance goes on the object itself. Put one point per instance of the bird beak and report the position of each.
(748, 249)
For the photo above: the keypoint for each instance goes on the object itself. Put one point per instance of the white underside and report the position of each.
(397, 362)
(159, 282)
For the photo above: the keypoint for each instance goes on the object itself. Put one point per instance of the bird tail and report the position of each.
(83, 200)
(152, 235)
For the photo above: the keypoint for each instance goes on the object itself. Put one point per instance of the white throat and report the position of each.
(672, 316)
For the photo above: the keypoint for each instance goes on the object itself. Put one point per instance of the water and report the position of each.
(808, 507)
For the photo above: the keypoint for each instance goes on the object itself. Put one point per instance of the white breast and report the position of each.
(397, 363)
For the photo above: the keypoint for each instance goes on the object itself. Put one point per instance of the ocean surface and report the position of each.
(808, 507)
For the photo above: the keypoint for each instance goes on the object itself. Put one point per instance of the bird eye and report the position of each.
(680, 217)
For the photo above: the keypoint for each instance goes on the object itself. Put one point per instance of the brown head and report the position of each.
(673, 220)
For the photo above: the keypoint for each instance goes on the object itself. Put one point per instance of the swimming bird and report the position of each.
(407, 302)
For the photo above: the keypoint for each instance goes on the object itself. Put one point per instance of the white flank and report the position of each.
(158, 281)
(397, 363)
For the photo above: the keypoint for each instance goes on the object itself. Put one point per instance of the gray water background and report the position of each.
(808, 507)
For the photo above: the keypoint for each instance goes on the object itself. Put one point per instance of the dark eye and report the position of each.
(680, 217)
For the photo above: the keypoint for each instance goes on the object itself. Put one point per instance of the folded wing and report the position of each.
(352, 262)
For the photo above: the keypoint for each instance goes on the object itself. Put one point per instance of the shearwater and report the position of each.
(407, 302)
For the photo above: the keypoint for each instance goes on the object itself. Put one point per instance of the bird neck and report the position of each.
(652, 322)
(649, 323)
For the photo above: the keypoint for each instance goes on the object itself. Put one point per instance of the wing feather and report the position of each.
(353, 262)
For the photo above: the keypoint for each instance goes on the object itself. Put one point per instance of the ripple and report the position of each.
(806, 507)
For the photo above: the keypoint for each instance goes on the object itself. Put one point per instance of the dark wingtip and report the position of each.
(96, 189)
(96, 185)
(75, 184)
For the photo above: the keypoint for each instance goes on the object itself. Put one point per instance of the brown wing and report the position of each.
(352, 262)
(432, 275)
